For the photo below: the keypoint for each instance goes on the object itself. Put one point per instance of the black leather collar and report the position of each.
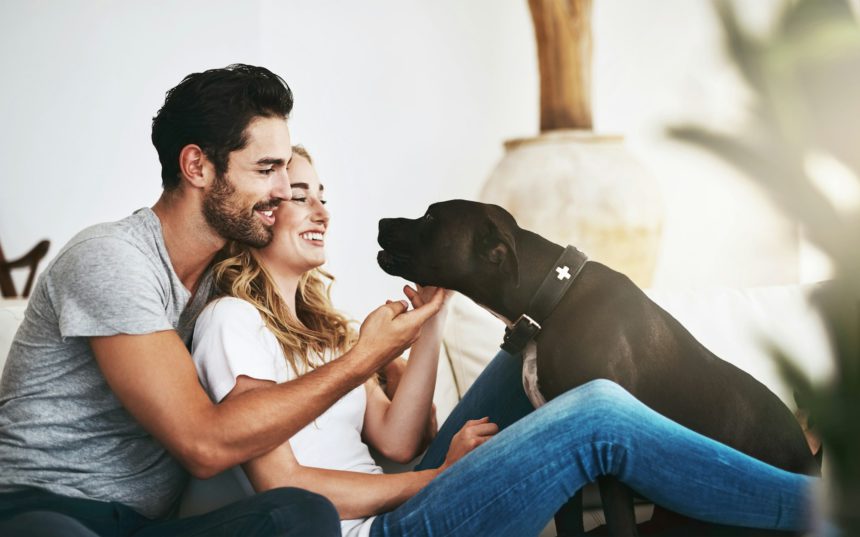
(556, 283)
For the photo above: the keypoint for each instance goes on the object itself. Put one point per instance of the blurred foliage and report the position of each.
(804, 77)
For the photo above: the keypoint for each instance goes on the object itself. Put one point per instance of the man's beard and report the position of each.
(224, 211)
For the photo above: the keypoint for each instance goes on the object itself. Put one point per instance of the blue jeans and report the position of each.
(288, 512)
(513, 484)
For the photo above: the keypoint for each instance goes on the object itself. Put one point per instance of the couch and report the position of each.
(734, 323)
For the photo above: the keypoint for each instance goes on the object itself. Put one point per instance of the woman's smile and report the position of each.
(314, 237)
(301, 223)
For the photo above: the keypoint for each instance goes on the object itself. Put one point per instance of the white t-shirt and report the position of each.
(231, 339)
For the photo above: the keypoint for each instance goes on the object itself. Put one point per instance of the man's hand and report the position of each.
(391, 329)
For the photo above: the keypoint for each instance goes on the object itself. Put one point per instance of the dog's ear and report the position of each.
(499, 247)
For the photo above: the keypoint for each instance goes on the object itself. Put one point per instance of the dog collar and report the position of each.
(556, 283)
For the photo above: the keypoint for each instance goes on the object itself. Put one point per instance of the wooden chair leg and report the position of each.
(568, 519)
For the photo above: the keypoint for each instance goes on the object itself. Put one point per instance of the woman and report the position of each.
(277, 323)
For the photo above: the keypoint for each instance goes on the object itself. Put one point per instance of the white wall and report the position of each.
(80, 84)
(402, 102)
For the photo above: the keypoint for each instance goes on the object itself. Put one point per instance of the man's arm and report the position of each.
(354, 494)
(154, 378)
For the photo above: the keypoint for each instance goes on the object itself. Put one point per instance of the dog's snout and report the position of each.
(384, 231)
(384, 224)
(395, 233)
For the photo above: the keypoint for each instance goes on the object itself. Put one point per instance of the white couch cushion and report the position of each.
(11, 315)
(471, 339)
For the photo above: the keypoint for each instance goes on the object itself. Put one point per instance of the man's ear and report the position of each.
(499, 247)
(194, 167)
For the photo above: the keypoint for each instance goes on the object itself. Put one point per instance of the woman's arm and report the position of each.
(389, 377)
(354, 494)
(397, 427)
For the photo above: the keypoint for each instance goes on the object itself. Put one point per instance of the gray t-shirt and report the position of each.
(62, 429)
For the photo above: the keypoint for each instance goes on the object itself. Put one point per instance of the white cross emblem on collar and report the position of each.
(563, 273)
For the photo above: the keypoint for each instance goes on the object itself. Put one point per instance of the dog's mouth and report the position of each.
(392, 263)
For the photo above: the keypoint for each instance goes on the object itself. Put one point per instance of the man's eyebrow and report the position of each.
(270, 160)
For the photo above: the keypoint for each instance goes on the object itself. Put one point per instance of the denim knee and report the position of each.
(604, 389)
(600, 395)
(298, 512)
(600, 406)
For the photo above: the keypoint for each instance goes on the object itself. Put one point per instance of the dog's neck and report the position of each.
(537, 256)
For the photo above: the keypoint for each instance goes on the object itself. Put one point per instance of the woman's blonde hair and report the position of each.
(316, 326)
(300, 150)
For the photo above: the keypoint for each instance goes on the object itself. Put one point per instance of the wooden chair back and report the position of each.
(29, 260)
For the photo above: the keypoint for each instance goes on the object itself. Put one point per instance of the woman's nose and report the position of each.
(321, 214)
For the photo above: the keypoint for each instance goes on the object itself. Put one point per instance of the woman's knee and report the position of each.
(295, 511)
(601, 403)
(599, 393)
(603, 388)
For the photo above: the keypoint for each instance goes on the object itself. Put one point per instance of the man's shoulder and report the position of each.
(136, 230)
(131, 240)
(125, 253)
(111, 278)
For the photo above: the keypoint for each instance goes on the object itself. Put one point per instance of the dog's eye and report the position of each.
(428, 217)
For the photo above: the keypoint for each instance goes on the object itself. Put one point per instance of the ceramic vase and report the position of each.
(584, 189)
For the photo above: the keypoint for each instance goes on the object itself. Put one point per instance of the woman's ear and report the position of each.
(194, 167)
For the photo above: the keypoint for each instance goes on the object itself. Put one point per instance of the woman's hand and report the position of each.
(473, 434)
(423, 294)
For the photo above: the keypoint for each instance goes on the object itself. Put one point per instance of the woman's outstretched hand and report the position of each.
(423, 294)
(471, 435)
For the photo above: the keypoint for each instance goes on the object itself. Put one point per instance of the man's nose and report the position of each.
(281, 187)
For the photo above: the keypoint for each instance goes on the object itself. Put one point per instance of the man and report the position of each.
(101, 412)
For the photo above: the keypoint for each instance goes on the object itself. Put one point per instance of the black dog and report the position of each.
(596, 324)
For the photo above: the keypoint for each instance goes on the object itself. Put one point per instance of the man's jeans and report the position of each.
(288, 512)
(514, 483)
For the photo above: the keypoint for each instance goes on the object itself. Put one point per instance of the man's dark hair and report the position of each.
(212, 109)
